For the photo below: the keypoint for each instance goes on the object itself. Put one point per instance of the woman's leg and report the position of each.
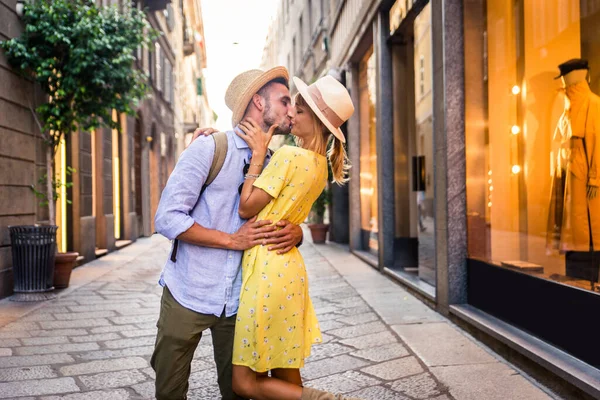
(249, 384)
(291, 375)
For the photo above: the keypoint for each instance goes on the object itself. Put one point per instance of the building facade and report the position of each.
(473, 181)
(119, 174)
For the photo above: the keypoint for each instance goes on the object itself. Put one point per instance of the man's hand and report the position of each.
(203, 132)
(251, 234)
(285, 238)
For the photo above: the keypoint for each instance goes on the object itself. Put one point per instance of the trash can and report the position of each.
(33, 252)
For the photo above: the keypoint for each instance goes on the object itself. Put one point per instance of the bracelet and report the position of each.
(251, 176)
(257, 165)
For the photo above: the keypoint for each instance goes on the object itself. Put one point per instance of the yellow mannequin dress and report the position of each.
(276, 323)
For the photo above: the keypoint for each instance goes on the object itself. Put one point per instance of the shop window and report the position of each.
(533, 137)
(368, 153)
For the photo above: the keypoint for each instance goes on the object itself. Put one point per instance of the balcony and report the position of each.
(156, 5)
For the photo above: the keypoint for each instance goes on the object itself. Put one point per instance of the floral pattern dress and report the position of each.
(276, 322)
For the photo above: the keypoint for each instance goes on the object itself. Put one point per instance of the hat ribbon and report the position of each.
(317, 97)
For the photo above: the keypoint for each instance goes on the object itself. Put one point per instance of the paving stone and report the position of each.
(343, 383)
(358, 330)
(48, 309)
(139, 332)
(100, 337)
(104, 354)
(5, 352)
(330, 366)
(146, 390)
(133, 342)
(359, 318)
(396, 369)
(113, 379)
(24, 361)
(330, 325)
(373, 340)
(43, 316)
(326, 350)
(13, 334)
(102, 307)
(350, 302)
(325, 310)
(203, 351)
(59, 332)
(41, 341)
(327, 338)
(81, 323)
(84, 315)
(117, 394)
(140, 311)
(207, 377)
(328, 317)
(111, 365)
(200, 365)
(487, 381)
(20, 326)
(355, 310)
(9, 342)
(10, 390)
(134, 319)
(382, 353)
(421, 386)
(56, 348)
(205, 393)
(150, 372)
(440, 344)
(26, 373)
(113, 328)
(377, 393)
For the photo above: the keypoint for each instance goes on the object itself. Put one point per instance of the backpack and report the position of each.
(220, 139)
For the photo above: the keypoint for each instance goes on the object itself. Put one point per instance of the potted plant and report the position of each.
(318, 229)
(82, 57)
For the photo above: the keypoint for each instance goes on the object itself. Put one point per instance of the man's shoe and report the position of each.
(314, 394)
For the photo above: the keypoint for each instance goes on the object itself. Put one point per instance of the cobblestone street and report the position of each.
(95, 340)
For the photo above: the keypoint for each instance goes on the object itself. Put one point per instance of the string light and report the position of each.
(515, 130)
(516, 169)
(516, 90)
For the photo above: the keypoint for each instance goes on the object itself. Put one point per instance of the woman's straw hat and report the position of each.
(245, 85)
(329, 100)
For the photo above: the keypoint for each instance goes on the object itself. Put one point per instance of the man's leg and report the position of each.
(179, 332)
(222, 336)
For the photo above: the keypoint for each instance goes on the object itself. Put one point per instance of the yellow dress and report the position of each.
(276, 322)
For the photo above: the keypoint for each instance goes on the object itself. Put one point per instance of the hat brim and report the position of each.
(303, 90)
(255, 85)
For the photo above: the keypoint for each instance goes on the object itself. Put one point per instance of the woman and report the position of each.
(276, 323)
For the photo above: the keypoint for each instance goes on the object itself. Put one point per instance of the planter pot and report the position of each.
(318, 232)
(33, 250)
(63, 265)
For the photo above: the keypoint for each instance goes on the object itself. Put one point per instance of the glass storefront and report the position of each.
(368, 153)
(533, 167)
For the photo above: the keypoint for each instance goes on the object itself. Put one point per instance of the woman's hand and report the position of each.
(257, 140)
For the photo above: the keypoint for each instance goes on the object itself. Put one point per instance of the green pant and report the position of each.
(179, 332)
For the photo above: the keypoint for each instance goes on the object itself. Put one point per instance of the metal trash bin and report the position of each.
(33, 251)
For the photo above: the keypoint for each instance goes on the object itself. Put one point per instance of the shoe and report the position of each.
(314, 394)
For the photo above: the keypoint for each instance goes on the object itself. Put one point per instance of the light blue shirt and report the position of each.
(204, 279)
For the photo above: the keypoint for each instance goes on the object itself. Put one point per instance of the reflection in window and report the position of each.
(368, 152)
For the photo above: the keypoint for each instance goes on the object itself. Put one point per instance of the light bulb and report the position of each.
(516, 90)
(516, 169)
(490, 204)
(515, 130)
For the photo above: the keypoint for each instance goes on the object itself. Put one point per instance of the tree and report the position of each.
(82, 58)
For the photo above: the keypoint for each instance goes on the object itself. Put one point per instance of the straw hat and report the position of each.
(245, 85)
(329, 100)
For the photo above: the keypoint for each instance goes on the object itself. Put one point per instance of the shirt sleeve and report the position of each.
(183, 188)
(278, 173)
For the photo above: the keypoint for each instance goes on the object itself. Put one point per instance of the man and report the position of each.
(202, 286)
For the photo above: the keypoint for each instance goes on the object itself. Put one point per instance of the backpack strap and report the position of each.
(221, 145)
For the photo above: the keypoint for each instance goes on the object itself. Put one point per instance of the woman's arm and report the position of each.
(253, 199)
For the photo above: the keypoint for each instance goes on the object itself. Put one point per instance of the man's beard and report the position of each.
(269, 119)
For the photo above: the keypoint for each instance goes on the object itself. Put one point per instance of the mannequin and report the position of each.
(574, 220)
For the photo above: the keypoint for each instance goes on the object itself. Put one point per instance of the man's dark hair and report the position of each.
(263, 90)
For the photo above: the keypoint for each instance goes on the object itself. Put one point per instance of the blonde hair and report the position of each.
(327, 144)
